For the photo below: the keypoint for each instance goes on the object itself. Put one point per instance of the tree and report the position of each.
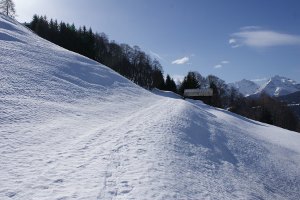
(170, 84)
(157, 75)
(8, 7)
(189, 82)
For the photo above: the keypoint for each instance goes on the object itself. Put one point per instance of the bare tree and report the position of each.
(7, 7)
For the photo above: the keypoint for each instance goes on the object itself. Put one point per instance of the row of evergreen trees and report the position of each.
(130, 62)
(223, 95)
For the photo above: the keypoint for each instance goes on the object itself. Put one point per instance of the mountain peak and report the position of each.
(246, 87)
(279, 85)
(275, 86)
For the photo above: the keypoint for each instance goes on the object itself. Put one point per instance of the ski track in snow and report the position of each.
(71, 128)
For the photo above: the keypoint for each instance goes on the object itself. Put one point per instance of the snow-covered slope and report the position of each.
(278, 86)
(245, 87)
(71, 128)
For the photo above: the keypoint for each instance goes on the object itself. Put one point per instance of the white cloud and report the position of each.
(246, 28)
(181, 61)
(259, 79)
(221, 64)
(232, 41)
(257, 37)
(225, 62)
(218, 66)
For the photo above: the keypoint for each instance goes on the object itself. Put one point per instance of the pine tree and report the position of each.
(7, 7)
(189, 82)
(170, 84)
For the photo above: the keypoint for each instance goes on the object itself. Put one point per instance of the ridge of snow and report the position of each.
(71, 128)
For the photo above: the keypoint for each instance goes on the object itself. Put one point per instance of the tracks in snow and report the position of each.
(137, 137)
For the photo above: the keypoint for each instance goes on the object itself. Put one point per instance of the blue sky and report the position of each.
(231, 39)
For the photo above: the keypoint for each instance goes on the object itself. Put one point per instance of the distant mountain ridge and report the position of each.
(245, 87)
(275, 86)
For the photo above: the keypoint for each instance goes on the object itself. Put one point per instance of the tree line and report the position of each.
(130, 62)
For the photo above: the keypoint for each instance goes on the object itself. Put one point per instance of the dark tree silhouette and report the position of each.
(190, 81)
(170, 84)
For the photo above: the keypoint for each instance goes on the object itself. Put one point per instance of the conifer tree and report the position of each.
(170, 84)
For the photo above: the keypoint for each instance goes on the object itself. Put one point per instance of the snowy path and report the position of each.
(109, 159)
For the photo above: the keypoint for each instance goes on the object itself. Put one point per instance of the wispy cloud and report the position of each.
(156, 55)
(259, 79)
(218, 66)
(221, 64)
(246, 28)
(233, 43)
(181, 61)
(225, 62)
(254, 36)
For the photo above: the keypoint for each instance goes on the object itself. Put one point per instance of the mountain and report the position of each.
(275, 86)
(278, 86)
(245, 87)
(71, 128)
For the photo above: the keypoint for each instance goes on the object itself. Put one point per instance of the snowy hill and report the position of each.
(71, 128)
(245, 87)
(275, 86)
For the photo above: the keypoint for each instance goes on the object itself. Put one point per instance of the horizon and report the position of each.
(232, 40)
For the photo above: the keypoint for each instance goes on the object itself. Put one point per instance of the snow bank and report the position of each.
(71, 128)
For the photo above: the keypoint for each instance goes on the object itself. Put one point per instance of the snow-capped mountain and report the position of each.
(275, 86)
(71, 128)
(278, 86)
(245, 87)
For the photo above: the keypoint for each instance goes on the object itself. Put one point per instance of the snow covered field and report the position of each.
(71, 128)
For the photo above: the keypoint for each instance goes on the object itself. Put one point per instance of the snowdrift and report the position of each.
(71, 128)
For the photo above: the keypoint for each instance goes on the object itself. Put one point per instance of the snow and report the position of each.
(245, 87)
(279, 86)
(168, 94)
(71, 128)
(275, 86)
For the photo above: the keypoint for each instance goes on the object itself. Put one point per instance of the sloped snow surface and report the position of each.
(71, 128)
